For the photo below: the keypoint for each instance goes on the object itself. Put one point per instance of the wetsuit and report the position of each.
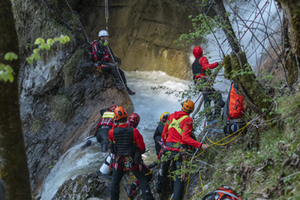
(124, 142)
(101, 57)
(105, 124)
(157, 136)
(199, 67)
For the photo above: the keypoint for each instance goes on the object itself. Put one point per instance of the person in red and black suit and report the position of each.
(178, 129)
(127, 145)
(200, 76)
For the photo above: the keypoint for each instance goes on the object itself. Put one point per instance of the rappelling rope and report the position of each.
(88, 40)
(216, 143)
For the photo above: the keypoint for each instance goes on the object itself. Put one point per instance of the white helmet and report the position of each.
(103, 33)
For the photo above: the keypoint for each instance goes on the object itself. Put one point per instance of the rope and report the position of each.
(215, 143)
(253, 20)
(106, 14)
(87, 38)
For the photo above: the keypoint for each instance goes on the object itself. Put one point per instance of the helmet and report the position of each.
(188, 106)
(112, 108)
(164, 116)
(120, 112)
(103, 33)
(134, 119)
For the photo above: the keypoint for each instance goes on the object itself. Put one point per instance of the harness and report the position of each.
(107, 120)
(176, 124)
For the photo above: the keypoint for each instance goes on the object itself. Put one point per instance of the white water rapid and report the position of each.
(148, 103)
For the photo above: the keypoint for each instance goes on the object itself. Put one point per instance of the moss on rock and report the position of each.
(70, 67)
(62, 108)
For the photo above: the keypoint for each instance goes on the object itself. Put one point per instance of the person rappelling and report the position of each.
(178, 138)
(102, 55)
(127, 145)
(200, 76)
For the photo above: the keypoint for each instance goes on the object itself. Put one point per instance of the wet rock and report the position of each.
(84, 186)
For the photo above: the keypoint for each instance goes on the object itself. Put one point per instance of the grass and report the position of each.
(260, 171)
(62, 108)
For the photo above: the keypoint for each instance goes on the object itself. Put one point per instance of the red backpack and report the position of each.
(234, 106)
(222, 193)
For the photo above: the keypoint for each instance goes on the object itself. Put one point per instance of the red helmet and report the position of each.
(112, 108)
(134, 119)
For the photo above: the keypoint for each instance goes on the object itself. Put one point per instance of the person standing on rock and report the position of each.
(200, 77)
(127, 145)
(178, 137)
(133, 122)
(102, 58)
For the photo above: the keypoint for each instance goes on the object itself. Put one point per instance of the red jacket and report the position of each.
(172, 135)
(137, 137)
(198, 53)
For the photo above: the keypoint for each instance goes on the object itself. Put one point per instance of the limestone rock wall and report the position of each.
(142, 33)
(60, 96)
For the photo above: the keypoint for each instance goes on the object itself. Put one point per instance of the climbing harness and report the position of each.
(215, 75)
(106, 14)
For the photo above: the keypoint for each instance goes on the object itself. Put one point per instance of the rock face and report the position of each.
(142, 33)
(86, 186)
(60, 96)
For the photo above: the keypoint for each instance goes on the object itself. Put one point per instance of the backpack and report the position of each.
(222, 193)
(105, 56)
(234, 106)
(234, 111)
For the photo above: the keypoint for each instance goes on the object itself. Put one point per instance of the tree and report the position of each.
(13, 164)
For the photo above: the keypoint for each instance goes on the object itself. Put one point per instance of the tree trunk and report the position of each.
(13, 164)
(291, 10)
(250, 88)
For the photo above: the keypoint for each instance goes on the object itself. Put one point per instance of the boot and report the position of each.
(129, 191)
(130, 91)
(119, 85)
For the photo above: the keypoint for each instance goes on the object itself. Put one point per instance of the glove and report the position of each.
(105, 43)
(204, 147)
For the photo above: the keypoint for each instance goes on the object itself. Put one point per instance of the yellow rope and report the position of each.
(214, 143)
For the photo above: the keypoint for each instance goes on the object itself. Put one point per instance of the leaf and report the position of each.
(29, 60)
(39, 41)
(50, 41)
(36, 50)
(11, 56)
(36, 56)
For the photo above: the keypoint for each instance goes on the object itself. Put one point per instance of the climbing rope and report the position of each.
(215, 143)
(87, 38)
(106, 14)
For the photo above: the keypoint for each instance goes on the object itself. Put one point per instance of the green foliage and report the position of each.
(62, 108)
(45, 45)
(6, 72)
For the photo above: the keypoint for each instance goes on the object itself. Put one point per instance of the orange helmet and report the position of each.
(120, 112)
(188, 106)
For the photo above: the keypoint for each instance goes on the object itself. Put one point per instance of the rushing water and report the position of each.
(148, 103)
